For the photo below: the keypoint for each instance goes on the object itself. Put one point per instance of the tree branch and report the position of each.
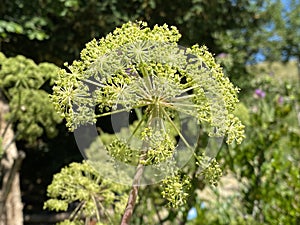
(7, 185)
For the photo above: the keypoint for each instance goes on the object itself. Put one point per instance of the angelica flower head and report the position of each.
(169, 88)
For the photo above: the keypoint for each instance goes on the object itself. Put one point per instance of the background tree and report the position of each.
(71, 21)
(26, 113)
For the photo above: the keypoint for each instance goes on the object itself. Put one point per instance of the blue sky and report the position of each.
(259, 57)
(286, 4)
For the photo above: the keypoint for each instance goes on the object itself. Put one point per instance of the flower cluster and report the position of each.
(162, 76)
(139, 69)
(160, 148)
(80, 182)
(208, 169)
(175, 189)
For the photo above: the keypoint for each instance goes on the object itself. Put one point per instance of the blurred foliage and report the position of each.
(280, 71)
(58, 30)
(266, 164)
(22, 83)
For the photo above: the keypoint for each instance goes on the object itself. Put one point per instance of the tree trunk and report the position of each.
(11, 207)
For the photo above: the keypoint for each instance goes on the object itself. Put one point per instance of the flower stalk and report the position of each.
(133, 194)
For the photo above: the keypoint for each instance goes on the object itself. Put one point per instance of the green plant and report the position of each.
(22, 81)
(81, 184)
(136, 69)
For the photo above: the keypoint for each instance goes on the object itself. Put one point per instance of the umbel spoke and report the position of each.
(175, 127)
